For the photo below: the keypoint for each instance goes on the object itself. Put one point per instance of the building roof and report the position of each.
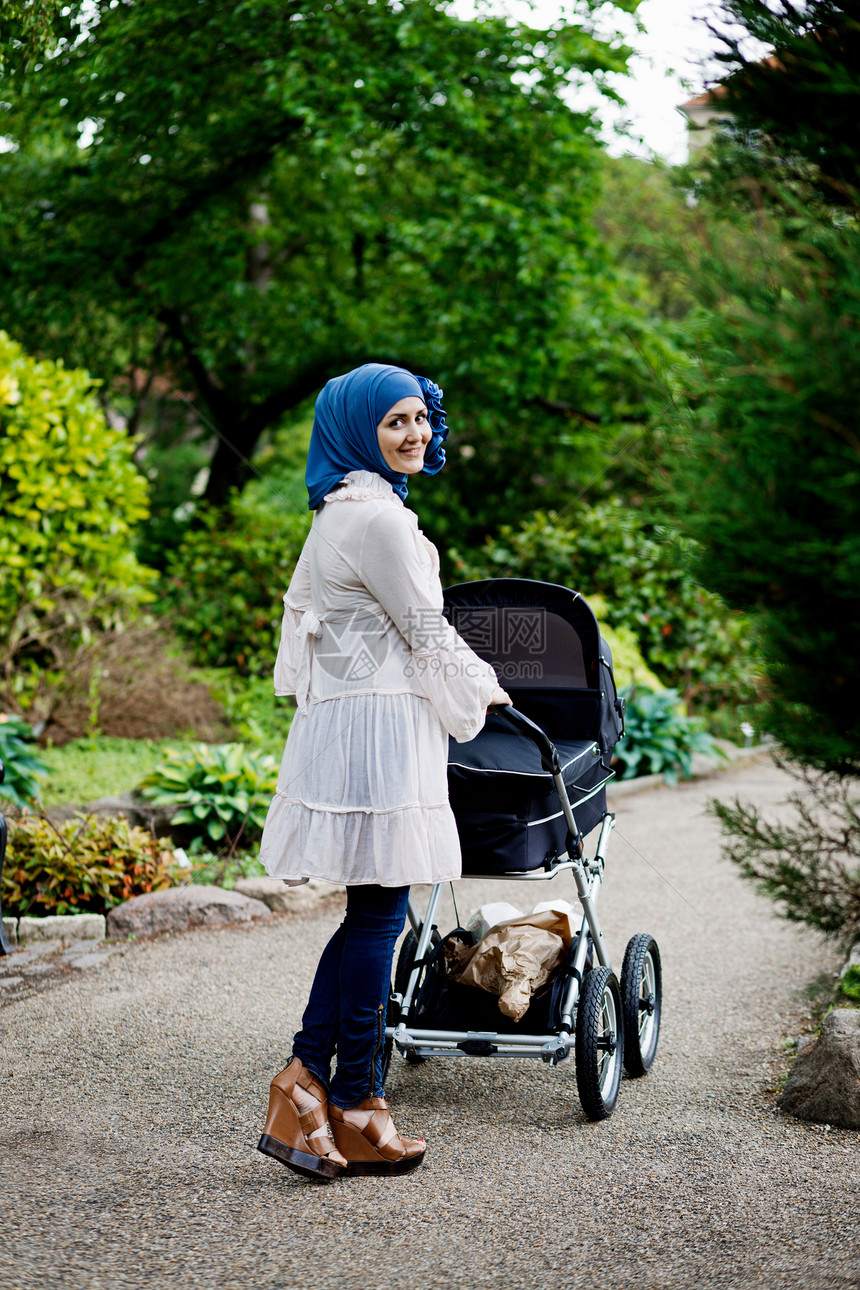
(704, 100)
(719, 90)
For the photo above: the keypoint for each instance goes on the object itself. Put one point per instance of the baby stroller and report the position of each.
(525, 794)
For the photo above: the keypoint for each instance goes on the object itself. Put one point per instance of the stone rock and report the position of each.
(279, 897)
(824, 1083)
(10, 926)
(94, 959)
(39, 950)
(62, 927)
(59, 814)
(179, 908)
(137, 810)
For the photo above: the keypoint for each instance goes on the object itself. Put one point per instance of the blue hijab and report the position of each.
(347, 412)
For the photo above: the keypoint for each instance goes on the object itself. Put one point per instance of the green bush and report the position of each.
(20, 764)
(70, 497)
(221, 792)
(224, 587)
(659, 738)
(628, 665)
(686, 634)
(850, 983)
(85, 865)
(809, 864)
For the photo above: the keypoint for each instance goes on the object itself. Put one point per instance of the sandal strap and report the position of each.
(313, 1119)
(377, 1129)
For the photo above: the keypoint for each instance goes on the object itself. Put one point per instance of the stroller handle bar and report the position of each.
(549, 758)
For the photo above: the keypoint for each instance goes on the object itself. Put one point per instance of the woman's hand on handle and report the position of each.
(500, 697)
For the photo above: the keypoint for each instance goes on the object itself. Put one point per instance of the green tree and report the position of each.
(300, 187)
(769, 479)
(796, 111)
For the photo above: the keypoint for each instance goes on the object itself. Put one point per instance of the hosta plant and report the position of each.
(659, 737)
(20, 764)
(84, 865)
(221, 792)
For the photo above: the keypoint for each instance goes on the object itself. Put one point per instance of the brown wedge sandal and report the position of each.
(299, 1139)
(375, 1147)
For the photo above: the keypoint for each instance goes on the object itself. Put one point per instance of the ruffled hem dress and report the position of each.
(381, 680)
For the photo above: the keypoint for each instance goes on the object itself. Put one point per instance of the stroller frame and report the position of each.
(551, 1048)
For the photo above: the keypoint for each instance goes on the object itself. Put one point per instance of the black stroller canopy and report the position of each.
(545, 646)
(536, 635)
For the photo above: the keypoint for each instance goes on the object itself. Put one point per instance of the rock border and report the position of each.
(55, 927)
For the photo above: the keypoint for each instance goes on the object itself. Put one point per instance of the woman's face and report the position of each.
(403, 433)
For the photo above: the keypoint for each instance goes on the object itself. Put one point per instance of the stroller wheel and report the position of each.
(642, 1001)
(599, 1043)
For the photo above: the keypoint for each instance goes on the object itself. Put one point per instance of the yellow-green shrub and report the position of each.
(70, 497)
(84, 865)
(628, 665)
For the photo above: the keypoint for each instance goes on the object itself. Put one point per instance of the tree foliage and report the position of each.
(797, 111)
(301, 187)
(769, 480)
(28, 28)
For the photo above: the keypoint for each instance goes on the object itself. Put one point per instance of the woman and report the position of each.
(381, 680)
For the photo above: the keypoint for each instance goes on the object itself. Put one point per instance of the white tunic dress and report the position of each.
(381, 680)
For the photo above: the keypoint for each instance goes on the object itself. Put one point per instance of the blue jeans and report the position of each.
(349, 997)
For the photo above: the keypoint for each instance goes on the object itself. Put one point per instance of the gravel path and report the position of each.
(134, 1096)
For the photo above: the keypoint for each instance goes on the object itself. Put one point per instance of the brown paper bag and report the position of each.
(513, 959)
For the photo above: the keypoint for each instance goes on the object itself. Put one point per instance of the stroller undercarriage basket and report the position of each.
(525, 794)
(444, 1003)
